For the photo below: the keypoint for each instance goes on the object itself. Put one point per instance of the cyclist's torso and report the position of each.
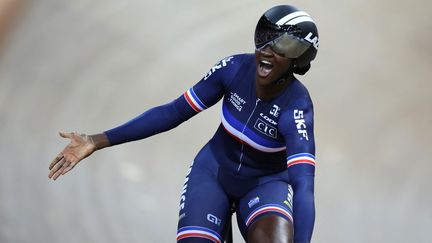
(252, 137)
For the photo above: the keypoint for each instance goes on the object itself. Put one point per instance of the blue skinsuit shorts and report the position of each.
(209, 193)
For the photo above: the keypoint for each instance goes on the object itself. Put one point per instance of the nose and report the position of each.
(266, 52)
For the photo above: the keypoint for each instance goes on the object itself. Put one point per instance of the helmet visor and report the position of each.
(283, 39)
(283, 44)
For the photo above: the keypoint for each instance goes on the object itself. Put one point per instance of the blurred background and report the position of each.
(88, 66)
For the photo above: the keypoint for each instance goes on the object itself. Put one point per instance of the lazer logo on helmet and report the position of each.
(314, 41)
(219, 65)
(300, 124)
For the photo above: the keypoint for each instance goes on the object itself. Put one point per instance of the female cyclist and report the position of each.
(260, 162)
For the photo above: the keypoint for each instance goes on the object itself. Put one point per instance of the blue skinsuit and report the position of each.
(261, 158)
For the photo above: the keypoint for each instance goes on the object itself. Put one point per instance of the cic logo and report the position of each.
(265, 128)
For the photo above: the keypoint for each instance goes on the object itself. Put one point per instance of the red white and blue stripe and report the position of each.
(268, 208)
(302, 158)
(244, 134)
(194, 101)
(198, 232)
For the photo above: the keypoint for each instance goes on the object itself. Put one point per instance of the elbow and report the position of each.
(303, 184)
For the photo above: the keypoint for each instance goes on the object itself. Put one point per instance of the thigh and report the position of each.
(204, 207)
(274, 199)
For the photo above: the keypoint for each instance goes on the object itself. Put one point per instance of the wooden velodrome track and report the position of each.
(90, 65)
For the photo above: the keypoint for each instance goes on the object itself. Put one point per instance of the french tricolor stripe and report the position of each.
(266, 209)
(194, 101)
(303, 158)
(295, 18)
(240, 136)
(242, 133)
(199, 232)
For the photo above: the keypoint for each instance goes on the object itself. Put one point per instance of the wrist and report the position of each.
(100, 141)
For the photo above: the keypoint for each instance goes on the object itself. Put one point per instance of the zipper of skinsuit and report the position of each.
(244, 128)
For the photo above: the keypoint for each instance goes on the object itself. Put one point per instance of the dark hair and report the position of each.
(301, 70)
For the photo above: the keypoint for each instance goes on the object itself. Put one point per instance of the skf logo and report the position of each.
(265, 128)
(215, 220)
(219, 65)
(314, 41)
(275, 111)
(300, 124)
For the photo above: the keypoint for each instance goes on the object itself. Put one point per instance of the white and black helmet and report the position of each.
(290, 32)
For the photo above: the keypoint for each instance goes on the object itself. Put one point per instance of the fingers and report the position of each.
(56, 160)
(68, 168)
(55, 168)
(61, 168)
(66, 134)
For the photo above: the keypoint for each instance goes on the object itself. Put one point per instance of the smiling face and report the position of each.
(270, 66)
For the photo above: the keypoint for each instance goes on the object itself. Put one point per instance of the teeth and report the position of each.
(266, 62)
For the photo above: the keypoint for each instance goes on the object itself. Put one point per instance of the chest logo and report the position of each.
(268, 119)
(237, 101)
(275, 111)
(265, 128)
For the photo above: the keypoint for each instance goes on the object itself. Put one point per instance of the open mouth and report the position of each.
(264, 68)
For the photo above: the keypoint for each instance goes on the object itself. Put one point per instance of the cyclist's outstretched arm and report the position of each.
(202, 95)
(153, 121)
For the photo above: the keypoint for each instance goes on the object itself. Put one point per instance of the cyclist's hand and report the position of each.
(80, 147)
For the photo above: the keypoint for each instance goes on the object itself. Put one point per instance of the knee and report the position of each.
(271, 229)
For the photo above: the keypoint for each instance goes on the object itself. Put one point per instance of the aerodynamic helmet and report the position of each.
(290, 32)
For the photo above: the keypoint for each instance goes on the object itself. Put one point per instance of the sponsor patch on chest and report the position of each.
(265, 128)
(237, 101)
